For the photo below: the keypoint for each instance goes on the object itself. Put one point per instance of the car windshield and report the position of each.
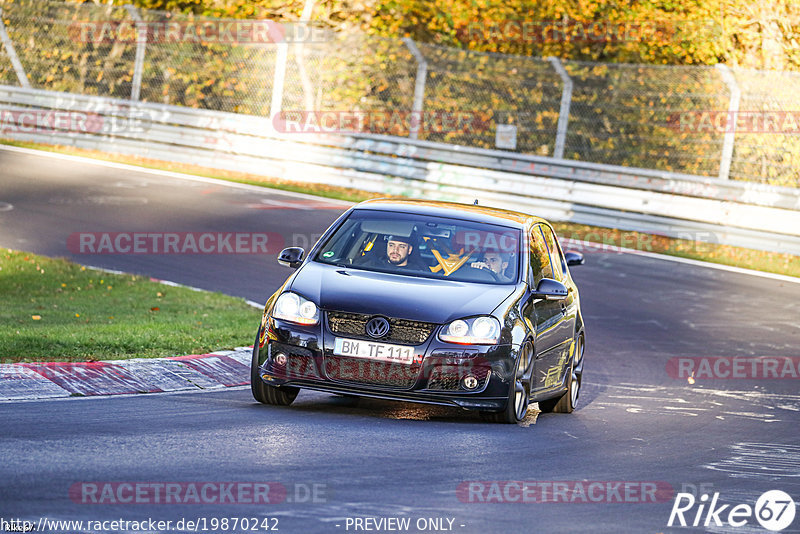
(421, 245)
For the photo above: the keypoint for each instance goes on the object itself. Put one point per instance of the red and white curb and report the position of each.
(30, 381)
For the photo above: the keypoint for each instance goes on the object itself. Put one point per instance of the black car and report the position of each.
(430, 302)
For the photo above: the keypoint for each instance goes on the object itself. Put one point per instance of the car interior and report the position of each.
(437, 251)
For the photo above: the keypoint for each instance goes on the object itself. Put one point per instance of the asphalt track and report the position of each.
(737, 437)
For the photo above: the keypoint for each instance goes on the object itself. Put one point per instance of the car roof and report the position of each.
(466, 212)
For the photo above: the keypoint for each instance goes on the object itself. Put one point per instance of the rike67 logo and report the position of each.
(774, 510)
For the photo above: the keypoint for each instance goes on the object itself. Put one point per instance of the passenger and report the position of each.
(497, 262)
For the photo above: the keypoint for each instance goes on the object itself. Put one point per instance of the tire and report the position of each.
(518, 393)
(568, 402)
(264, 393)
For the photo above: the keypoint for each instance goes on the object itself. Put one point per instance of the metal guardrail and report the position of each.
(737, 213)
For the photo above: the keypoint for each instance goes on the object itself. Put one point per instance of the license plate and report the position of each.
(358, 348)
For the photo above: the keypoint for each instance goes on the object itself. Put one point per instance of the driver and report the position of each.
(399, 254)
(497, 262)
(398, 249)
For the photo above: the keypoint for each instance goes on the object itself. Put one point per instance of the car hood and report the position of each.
(406, 297)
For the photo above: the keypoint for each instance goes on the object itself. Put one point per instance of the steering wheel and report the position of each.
(487, 270)
(494, 274)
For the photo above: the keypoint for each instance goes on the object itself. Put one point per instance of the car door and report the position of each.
(571, 302)
(543, 315)
(555, 319)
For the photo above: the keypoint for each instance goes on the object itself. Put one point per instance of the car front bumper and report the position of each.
(475, 377)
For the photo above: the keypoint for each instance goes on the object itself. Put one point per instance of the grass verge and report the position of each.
(773, 262)
(56, 310)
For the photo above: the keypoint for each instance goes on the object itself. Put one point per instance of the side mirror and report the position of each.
(291, 257)
(573, 258)
(550, 289)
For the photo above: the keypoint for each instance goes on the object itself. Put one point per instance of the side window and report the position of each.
(559, 265)
(540, 259)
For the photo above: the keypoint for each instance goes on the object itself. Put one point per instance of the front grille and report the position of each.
(448, 377)
(401, 331)
(371, 372)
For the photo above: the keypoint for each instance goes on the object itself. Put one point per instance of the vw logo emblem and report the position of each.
(377, 327)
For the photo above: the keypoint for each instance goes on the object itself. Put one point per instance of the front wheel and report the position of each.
(264, 393)
(518, 397)
(569, 400)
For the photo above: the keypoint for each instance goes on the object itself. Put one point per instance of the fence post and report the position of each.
(563, 112)
(281, 59)
(419, 86)
(22, 77)
(305, 82)
(730, 131)
(278, 79)
(141, 42)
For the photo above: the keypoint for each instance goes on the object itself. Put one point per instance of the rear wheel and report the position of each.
(518, 394)
(264, 393)
(569, 400)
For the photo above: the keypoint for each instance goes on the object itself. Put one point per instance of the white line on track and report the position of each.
(709, 265)
(170, 174)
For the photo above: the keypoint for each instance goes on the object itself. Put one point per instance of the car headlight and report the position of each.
(474, 331)
(294, 308)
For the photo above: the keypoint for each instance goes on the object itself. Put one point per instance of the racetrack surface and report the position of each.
(381, 459)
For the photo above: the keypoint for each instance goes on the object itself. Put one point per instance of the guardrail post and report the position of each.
(141, 42)
(22, 77)
(730, 130)
(563, 112)
(419, 87)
